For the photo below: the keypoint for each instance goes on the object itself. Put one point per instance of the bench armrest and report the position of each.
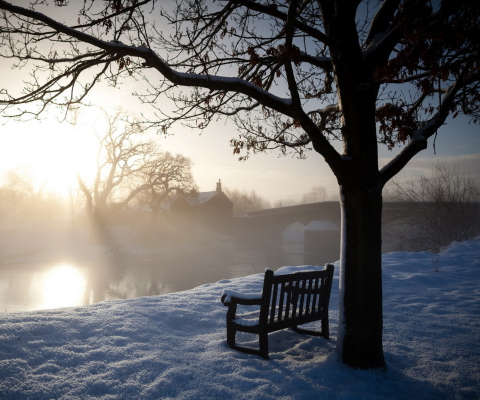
(230, 296)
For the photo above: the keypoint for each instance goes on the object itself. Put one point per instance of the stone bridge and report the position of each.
(267, 227)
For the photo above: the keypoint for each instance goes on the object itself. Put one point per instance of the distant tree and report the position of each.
(127, 167)
(165, 175)
(17, 186)
(120, 156)
(447, 208)
(293, 75)
(316, 195)
(26, 202)
(285, 202)
(244, 201)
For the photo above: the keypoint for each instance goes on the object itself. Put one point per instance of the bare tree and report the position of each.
(294, 75)
(120, 156)
(244, 201)
(26, 202)
(316, 194)
(165, 175)
(17, 186)
(447, 208)
(127, 167)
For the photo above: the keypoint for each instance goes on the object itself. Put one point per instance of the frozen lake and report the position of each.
(40, 270)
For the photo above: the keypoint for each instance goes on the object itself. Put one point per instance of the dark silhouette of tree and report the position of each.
(294, 76)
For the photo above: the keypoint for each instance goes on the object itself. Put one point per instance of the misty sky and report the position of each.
(43, 146)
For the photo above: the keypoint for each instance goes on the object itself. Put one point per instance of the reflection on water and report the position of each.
(61, 286)
(120, 275)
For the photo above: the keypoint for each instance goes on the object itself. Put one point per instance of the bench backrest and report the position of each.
(295, 298)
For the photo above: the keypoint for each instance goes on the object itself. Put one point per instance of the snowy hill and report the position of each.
(173, 346)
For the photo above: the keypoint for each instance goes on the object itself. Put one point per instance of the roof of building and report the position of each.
(197, 199)
(200, 198)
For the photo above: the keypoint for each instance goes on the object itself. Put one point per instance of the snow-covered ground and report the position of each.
(173, 346)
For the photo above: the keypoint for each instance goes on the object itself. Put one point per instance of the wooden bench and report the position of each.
(285, 302)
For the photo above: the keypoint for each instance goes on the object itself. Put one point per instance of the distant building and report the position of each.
(208, 207)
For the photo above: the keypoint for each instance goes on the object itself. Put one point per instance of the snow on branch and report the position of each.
(153, 60)
(322, 62)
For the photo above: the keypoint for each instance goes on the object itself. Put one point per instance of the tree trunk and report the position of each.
(361, 321)
(99, 221)
(360, 316)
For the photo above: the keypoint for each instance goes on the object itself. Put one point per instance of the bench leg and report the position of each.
(232, 309)
(230, 335)
(263, 342)
(325, 328)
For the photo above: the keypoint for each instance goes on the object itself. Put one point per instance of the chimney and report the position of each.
(219, 186)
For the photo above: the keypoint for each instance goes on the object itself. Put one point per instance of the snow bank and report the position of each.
(173, 346)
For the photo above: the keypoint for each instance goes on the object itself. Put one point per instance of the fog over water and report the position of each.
(64, 267)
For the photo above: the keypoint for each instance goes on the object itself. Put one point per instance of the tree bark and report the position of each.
(361, 319)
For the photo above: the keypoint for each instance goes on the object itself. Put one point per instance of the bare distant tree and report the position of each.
(26, 202)
(166, 174)
(17, 185)
(120, 156)
(294, 76)
(316, 195)
(285, 202)
(244, 201)
(447, 208)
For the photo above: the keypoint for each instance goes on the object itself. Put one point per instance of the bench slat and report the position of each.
(295, 304)
(273, 303)
(288, 302)
(281, 302)
(315, 294)
(302, 296)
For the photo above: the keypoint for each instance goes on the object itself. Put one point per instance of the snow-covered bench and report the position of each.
(285, 302)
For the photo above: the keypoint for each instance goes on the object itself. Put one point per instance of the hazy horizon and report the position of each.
(56, 151)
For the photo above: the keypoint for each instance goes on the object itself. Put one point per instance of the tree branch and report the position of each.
(274, 12)
(153, 60)
(419, 137)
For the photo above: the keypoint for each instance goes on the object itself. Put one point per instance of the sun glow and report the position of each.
(65, 155)
(54, 151)
(62, 286)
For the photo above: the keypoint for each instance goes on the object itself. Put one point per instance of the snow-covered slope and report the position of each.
(173, 346)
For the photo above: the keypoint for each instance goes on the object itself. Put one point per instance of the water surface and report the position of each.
(74, 278)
